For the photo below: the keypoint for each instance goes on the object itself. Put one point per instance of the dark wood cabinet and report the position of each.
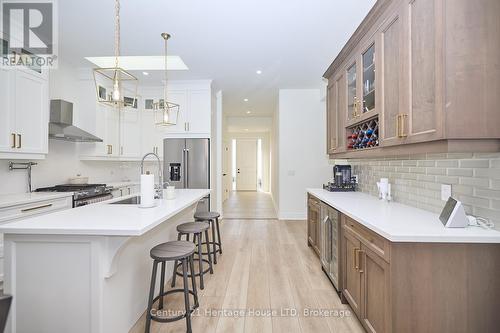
(313, 224)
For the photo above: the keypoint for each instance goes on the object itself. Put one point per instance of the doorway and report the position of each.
(245, 164)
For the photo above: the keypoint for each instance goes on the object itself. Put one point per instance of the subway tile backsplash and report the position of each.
(416, 180)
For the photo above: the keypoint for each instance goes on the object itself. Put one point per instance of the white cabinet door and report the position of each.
(112, 138)
(130, 134)
(178, 97)
(148, 137)
(7, 111)
(32, 109)
(199, 111)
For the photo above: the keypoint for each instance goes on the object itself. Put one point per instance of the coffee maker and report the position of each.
(342, 180)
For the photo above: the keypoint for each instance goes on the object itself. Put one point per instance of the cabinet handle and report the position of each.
(355, 259)
(13, 140)
(34, 208)
(360, 252)
(355, 110)
(121, 150)
(19, 142)
(110, 149)
(400, 122)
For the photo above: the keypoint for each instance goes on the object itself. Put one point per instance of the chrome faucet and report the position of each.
(159, 186)
(23, 166)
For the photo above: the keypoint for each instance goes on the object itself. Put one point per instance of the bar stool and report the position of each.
(197, 229)
(179, 251)
(213, 219)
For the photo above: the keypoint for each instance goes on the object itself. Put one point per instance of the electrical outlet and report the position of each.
(445, 191)
(355, 178)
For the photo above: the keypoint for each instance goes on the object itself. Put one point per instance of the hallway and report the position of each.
(266, 268)
(249, 205)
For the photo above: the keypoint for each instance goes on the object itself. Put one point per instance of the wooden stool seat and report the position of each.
(172, 250)
(192, 227)
(206, 215)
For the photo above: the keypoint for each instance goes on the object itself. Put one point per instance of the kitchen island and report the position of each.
(88, 269)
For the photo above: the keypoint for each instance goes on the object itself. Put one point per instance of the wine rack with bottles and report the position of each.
(364, 135)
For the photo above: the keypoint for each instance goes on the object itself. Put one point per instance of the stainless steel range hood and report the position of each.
(61, 124)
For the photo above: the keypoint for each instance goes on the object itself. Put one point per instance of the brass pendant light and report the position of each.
(166, 112)
(115, 86)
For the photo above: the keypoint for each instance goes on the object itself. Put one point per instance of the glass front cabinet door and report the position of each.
(369, 79)
(352, 99)
(361, 85)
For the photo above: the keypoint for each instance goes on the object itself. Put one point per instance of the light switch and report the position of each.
(445, 191)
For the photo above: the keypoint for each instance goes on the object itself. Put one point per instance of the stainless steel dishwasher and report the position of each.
(330, 224)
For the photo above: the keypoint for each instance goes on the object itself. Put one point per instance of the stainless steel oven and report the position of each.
(329, 242)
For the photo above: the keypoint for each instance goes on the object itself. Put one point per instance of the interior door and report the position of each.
(246, 164)
(226, 176)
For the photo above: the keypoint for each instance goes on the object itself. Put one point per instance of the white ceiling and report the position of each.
(292, 41)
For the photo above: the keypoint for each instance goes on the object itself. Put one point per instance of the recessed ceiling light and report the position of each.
(246, 129)
(248, 112)
(258, 71)
(245, 100)
(140, 63)
(145, 73)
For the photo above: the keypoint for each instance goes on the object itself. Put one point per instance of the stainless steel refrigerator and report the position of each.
(187, 165)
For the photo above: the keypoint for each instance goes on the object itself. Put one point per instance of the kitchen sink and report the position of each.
(129, 201)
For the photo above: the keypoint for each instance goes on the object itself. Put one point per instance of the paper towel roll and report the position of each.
(147, 190)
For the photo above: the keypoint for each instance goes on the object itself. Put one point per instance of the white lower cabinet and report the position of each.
(22, 211)
(24, 114)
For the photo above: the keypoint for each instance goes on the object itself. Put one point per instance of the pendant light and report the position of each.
(166, 112)
(114, 85)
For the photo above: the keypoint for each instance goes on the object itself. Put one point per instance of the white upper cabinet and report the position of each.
(7, 115)
(24, 114)
(130, 133)
(200, 104)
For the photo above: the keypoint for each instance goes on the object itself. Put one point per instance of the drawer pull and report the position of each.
(35, 208)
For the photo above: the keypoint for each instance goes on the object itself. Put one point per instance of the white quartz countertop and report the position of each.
(8, 200)
(105, 219)
(401, 223)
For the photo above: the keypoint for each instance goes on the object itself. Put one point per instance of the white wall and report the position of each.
(303, 161)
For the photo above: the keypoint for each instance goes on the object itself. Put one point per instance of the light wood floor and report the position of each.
(249, 205)
(266, 264)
